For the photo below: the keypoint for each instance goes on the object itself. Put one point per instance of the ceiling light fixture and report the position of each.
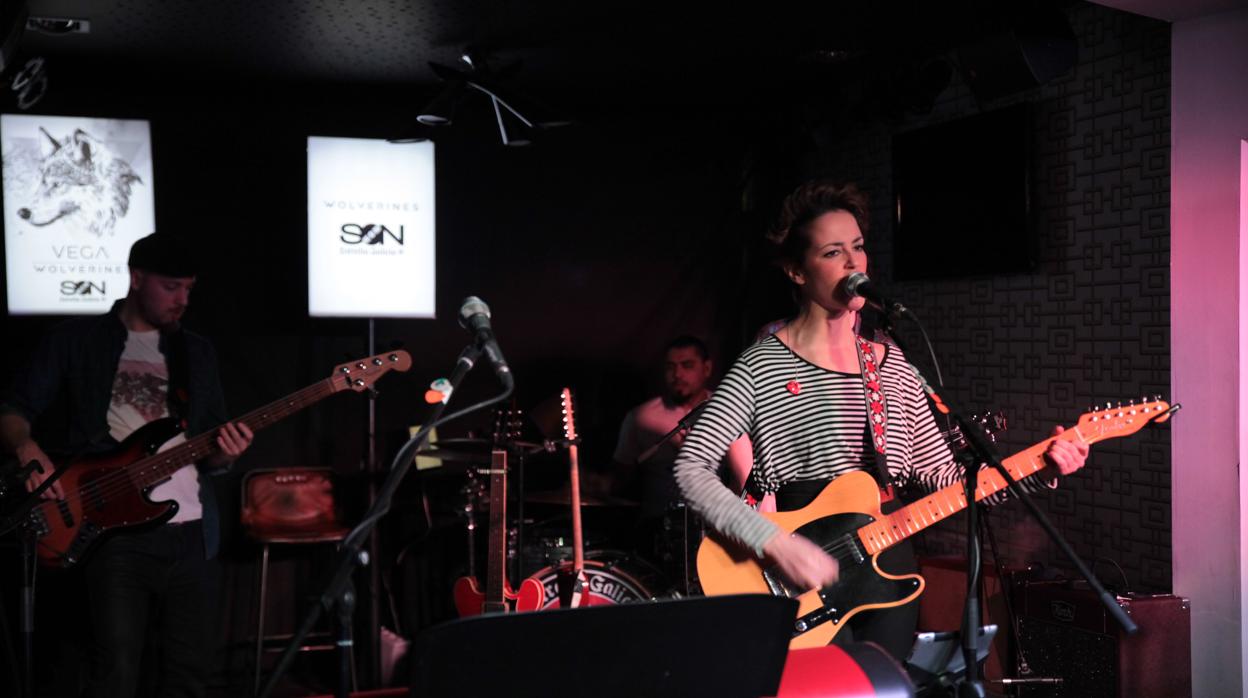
(478, 77)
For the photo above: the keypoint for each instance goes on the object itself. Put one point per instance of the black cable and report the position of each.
(1015, 629)
(1126, 585)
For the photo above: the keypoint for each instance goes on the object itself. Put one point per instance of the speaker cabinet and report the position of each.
(1065, 633)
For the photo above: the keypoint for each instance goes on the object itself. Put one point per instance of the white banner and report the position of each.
(370, 228)
(78, 192)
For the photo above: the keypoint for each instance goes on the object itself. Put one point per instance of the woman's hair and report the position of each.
(790, 237)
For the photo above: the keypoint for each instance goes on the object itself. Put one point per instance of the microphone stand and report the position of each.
(681, 425)
(978, 451)
(339, 593)
(26, 546)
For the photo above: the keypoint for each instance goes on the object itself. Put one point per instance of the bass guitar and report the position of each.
(109, 492)
(845, 519)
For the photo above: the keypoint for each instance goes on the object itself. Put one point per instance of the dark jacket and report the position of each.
(74, 369)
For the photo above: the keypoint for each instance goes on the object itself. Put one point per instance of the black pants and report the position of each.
(157, 579)
(891, 628)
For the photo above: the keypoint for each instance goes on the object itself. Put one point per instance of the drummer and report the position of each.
(687, 372)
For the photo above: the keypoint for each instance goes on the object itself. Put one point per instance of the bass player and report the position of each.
(109, 375)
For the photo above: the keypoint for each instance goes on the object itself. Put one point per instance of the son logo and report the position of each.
(369, 234)
(82, 288)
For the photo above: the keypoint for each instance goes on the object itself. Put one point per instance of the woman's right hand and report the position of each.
(801, 561)
(31, 451)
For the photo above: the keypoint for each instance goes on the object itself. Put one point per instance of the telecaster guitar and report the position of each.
(105, 493)
(846, 520)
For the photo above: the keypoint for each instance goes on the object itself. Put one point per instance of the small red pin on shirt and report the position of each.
(793, 387)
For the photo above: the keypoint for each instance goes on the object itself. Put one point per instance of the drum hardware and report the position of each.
(676, 546)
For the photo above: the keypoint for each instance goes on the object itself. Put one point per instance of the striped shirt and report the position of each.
(817, 434)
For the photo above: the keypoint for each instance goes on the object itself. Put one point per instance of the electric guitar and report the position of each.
(108, 492)
(497, 596)
(845, 519)
(576, 572)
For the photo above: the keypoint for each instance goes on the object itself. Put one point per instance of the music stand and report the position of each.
(725, 646)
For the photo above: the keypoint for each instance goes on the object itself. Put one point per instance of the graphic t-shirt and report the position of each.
(139, 397)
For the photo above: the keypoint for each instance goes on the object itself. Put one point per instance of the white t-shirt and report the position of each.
(642, 427)
(139, 396)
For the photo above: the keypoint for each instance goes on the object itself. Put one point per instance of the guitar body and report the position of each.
(101, 498)
(832, 518)
(470, 597)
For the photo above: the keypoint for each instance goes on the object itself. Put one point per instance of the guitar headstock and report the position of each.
(360, 375)
(1123, 420)
(990, 423)
(569, 415)
(508, 423)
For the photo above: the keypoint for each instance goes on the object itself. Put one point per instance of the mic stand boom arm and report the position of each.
(684, 423)
(981, 451)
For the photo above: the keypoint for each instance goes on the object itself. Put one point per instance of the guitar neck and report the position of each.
(574, 483)
(891, 529)
(496, 563)
(158, 467)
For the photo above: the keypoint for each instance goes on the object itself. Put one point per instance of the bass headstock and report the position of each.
(361, 374)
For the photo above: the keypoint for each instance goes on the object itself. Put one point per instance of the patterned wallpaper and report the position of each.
(1091, 323)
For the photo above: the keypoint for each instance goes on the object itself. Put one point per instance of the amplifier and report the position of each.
(1065, 632)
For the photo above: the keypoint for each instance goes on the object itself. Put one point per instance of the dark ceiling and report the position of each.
(605, 50)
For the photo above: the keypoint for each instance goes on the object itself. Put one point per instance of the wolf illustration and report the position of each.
(79, 184)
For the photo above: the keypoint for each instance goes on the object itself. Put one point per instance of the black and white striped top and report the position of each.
(817, 434)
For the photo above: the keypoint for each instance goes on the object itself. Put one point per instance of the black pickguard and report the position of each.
(859, 584)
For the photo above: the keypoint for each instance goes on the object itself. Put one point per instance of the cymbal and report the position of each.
(470, 451)
(564, 497)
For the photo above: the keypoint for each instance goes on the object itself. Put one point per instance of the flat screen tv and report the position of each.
(962, 202)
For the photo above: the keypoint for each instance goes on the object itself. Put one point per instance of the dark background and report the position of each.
(602, 240)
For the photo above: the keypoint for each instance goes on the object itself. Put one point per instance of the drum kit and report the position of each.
(541, 525)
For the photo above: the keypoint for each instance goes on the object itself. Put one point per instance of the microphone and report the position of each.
(474, 315)
(858, 285)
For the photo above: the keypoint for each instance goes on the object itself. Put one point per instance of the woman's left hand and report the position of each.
(1067, 456)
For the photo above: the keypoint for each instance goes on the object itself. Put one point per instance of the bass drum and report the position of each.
(614, 578)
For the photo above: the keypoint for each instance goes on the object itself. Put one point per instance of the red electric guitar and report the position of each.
(104, 493)
(498, 596)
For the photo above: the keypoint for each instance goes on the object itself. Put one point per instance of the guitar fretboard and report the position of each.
(893, 528)
(155, 468)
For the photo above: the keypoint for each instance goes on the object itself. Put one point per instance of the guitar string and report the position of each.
(119, 480)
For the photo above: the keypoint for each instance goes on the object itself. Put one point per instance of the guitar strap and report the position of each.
(877, 413)
(178, 398)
